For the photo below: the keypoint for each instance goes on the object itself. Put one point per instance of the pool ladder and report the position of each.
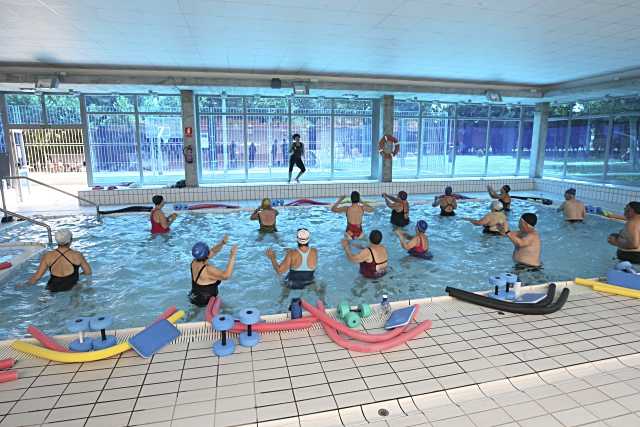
(32, 220)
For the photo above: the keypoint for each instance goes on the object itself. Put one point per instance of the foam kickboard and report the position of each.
(153, 338)
(400, 317)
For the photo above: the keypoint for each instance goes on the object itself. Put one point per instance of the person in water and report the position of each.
(526, 242)
(503, 197)
(448, 203)
(495, 222)
(159, 222)
(63, 263)
(573, 209)
(266, 216)
(418, 246)
(627, 241)
(399, 208)
(301, 262)
(205, 278)
(372, 259)
(296, 152)
(354, 214)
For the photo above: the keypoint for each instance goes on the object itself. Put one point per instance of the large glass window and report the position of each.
(437, 136)
(471, 144)
(624, 159)
(311, 119)
(24, 109)
(62, 109)
(352, 138)
(406, 127)
(503, 147)
(3, 146)
(554, 150)
(113, 150)
(525, 148)
(585, 157)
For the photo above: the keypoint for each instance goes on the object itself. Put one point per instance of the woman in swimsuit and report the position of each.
(503, 197)
(205, 278)
(301, 262)
(373, 259)
(354, 214)
(447, 203)
(399, 208)
(266, 216)
(63, 264)
(296, 151)
(417, 246)
(159, 222)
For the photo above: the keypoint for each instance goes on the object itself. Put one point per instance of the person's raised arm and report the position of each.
(492, 192)
(436, 201)
(336, 206)
(231, 263)
(482, 221)
(519, 242)
(86, 268)
(255, 215)
(561, 207)
(407, 244)
(42, 268)
(355, 258)
(281, 267)
(218, 247)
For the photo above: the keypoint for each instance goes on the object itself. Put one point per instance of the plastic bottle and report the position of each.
(384, 304)
(517, 287)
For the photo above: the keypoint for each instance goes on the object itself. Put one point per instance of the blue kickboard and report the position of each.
(153, 338)
(624, 279)
(400, 317)
(528, 298)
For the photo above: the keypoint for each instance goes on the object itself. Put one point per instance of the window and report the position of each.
(623, 165)
(585, 157)
(503, 147)
(406, 127)
(471, 144)
(62, 109)
(113, 150)
(525, 148)
(110, 103)
(24, 109)
(554, 150)
(352, 138)
(3, 146)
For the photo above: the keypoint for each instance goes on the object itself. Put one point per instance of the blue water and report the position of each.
(136, 276)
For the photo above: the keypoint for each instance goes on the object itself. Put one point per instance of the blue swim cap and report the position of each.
(200, 251)
(422, 225)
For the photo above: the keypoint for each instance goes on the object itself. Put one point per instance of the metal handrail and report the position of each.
(53, 188)
(31, 220)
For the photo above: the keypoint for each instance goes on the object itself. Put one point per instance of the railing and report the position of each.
(4, 206)
(31, 220)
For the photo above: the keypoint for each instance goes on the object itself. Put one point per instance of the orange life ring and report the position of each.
(385, 140)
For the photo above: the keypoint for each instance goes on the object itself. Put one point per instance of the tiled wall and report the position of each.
(604, 195)
(142, 196)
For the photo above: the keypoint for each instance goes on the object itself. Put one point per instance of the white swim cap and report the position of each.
(303, 236)
(496, 206)
(63, 237)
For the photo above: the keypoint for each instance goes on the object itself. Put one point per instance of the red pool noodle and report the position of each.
(377, 346)
(301, 202)
(212, 206)
(5, 265)
(341, 327)
(213, 307)
(285, 325)
(166, 314)
(7, 363)
(6, 376)
(45, 340)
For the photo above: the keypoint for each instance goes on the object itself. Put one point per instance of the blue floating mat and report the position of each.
(510, 296)
(153, 338)
(400, 317)
(624, 279)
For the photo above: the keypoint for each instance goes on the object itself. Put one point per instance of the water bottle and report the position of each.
(517, 287)
(384, 305)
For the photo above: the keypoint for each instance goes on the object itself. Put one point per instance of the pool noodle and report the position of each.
(212, 206)
(7, 363)
(165, 314)
(90, 356)
(376, 346)
(213, 307)
(6, 376)
(45, 340)
(341, 327)
(301, 202)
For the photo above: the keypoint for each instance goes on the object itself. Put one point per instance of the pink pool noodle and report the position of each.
(166, 314)
(45, 340)
(285, 325)
(213, 307)
(361, 347)
(7, 363)
(341, 327)
(301, 202)
(6, 376)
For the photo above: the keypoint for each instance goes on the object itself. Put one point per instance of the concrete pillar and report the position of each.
(633, 140)
(387, 129)
(189, 121)
(539, 139)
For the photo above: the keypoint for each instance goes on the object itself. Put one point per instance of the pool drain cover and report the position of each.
(383, 412)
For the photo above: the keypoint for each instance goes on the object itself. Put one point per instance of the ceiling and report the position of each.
(535, 42)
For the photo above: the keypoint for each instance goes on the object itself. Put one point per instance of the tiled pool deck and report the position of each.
(475, 367)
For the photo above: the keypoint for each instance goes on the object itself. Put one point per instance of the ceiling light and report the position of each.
(577, 108)
(300, 88)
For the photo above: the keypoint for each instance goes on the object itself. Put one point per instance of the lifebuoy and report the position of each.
(383, 144)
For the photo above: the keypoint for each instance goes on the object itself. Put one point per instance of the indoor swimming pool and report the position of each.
(136, 275)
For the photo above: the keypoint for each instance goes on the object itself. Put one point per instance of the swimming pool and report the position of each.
(137, 275)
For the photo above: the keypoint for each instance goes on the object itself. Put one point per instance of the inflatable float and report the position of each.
(211, 206)
(545, 306)
(607, 288)
(71, 357)
(303, 202)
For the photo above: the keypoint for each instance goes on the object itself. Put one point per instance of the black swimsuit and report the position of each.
(63, 283)
(296, 157)
(200, 294)
(398, 219)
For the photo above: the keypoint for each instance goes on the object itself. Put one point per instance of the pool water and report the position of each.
(136, 275)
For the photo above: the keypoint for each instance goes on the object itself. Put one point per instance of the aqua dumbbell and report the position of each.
(249, 317)
(224, 346)
(80, 325)
(102, 323)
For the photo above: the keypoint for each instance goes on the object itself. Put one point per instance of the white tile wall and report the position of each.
(237, 192)
(605, 195)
